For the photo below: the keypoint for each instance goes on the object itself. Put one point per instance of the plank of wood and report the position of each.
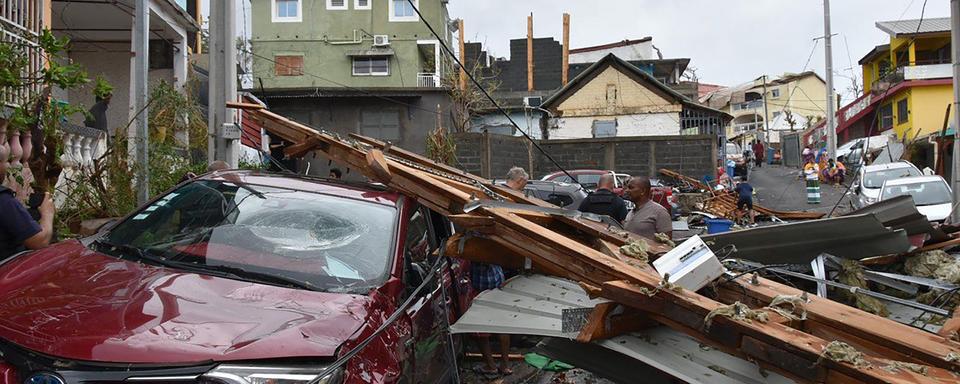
(483, 250)
(927, 347)
(941, 245)
(378, 165)
(596, 322)
(245, 106)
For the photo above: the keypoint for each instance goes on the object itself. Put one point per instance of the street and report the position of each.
(782, 189)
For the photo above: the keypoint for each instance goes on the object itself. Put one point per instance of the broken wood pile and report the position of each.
(593, 255)
(724, 203)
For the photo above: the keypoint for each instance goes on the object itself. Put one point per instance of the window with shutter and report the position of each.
(288, 65)
(336, 4)
(361, 4)
(371, 66)
(380, 124)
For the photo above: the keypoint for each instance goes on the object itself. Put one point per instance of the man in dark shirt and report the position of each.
(745, 199)
(18, 231)
(603, 201)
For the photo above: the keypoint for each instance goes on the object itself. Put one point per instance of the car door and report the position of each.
(428, 346)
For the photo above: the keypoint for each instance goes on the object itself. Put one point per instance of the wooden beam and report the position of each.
(244, 106)
(463, 58)
(565, 65)
(530, 67)
(378, 165)
(596, 322)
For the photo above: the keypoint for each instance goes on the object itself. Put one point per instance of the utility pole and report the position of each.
(955, 45)
(141, 68)
(223, 132)
(766, 117)
(831, 118)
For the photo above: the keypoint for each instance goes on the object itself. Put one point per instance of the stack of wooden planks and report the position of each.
(589, 252)
(724, 203)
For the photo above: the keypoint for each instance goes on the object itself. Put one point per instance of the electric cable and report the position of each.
(490, 98)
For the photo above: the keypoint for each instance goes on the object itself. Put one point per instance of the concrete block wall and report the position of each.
(493, 155)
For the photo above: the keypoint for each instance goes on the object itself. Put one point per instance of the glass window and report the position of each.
(875, 179)
(371, 66)
(286, 11)
(380, 124)
(928, 193)
(402, 8)
(589, 181)
(886, 117)
(775, 93)
(903, 115)
(266, 235)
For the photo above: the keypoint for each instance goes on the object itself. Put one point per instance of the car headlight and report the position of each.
(257, 374)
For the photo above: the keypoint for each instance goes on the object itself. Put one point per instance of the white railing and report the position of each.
(20, 24)
(428, 80)
(748, 105)
(81, 146)
(739, 128)
(932, 71)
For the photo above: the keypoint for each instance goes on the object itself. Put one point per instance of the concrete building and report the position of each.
(614, 98)
(791, 100)
(908, 78)
(354, 66)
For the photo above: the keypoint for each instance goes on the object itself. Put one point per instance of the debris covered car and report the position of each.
(239, 277)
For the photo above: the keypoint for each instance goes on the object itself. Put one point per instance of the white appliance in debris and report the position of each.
(381, 40)
(691, 265)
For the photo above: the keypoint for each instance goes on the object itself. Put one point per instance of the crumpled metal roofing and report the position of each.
(534, 304)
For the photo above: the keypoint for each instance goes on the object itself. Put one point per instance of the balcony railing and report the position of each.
(428, 80)
(930, 71)
(755, 104)
(20, 25)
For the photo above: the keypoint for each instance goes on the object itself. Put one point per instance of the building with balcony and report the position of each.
(907, 83)
(354, 66)
(788, 102)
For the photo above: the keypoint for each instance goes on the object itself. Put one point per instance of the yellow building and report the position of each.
(907, 83)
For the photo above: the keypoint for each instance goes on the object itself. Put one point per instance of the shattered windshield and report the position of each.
(317, 241)
(875, 179)
(929, 193)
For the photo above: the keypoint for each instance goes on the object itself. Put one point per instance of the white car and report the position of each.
(871, 179)
(931, 194)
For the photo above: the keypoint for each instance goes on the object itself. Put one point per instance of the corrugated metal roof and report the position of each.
(898, 28)
(533, 305)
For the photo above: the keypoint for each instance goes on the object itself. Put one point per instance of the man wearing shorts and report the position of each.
(745, 199)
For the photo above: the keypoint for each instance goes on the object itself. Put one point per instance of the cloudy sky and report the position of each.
(728, 41)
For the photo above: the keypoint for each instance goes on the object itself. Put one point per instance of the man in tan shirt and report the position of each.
(647, 217)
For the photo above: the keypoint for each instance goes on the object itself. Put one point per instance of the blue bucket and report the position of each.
(718, 226)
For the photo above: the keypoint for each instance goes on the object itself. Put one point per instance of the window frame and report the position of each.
(353, 66)
(775, 93)
(331, 7)
(882, 118)
(276, 18)
(276, 64)
(356, 5)
(903, 116)
(393, 18)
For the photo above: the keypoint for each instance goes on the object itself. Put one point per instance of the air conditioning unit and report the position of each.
(381, 40)
(532, 101)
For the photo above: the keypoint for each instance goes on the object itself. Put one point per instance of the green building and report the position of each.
(354, 66)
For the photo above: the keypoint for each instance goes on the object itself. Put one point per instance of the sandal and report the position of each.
(486, 373)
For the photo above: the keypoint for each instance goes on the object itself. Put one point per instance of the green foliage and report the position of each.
(101, 88)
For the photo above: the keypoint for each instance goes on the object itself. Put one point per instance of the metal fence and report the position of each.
(20, 24)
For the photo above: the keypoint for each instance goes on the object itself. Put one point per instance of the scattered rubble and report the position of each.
(851, 273)
(736, 311)
(935, 264)
(636, 250)
(796, 303)
(662, 238)
(897, 366)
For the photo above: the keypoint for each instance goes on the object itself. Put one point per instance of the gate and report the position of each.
(790, 149)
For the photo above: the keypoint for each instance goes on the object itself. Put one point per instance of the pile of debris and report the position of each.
(505, 228)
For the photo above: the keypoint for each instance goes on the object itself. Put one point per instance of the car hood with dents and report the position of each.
(70, 302)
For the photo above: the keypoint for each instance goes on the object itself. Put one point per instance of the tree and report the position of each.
(468, 102)
(37, 115)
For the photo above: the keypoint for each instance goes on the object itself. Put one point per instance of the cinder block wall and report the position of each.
(492, 155)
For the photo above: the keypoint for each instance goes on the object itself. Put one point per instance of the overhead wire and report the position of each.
(490, 98)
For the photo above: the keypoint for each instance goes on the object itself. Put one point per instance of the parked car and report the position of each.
(931, 195)
(589, 178)
(563, 195)
(871, 178)
(238, 278)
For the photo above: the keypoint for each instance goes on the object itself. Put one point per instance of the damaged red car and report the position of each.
(240, 278)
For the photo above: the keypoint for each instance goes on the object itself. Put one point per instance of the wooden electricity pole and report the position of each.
(463, 60)
(530, 52)
(566, 49)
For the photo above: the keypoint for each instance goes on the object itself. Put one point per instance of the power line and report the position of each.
(449, 51)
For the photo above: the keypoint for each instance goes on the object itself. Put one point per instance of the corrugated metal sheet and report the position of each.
(909, 27)
(533, 305)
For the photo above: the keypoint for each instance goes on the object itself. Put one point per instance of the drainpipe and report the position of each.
(357, 39)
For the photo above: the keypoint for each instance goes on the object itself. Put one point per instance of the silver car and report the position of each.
(871, 178)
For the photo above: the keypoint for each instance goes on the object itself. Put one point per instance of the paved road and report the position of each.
(780, 188)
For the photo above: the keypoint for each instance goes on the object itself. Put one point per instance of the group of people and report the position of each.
(817, 167)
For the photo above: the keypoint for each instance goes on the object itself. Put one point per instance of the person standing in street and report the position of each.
(811, 172)
(603, 201)
(745, 200)
(18, 231)
(758, 153)
(647, 217)
(483, 277)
